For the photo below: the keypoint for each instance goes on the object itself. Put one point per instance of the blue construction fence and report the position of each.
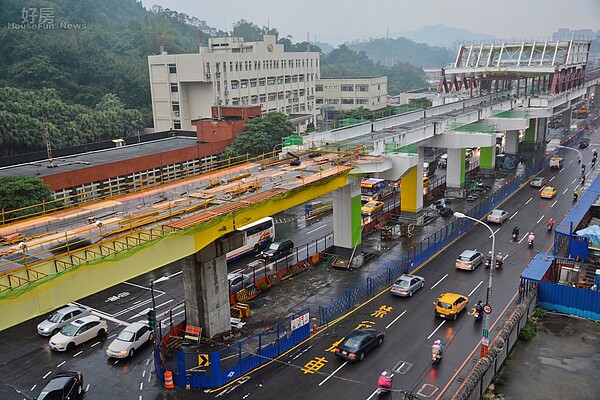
(201, 368)
(425, 249)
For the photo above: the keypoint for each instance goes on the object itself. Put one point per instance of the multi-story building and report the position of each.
(340, 94)
(232, 72)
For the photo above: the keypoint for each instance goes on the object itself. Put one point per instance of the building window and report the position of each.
(175, 106)
(234, 84)
(318, 88)
(254, 100)
(301, 93)
(272, 96)
(301, 78)
(280, 96)
(230, 66)
(347, 88)
(319, 101)
(261, 82)
(253, 82)
(347, 101)
(172, 69)
(331, 101)
(288, 79)
(263, 98)
(174, 88)
(362, 88)
(235, 101)
(362, 101)
(271, 80)
(176, 124)
(244, 84)
(280, 80)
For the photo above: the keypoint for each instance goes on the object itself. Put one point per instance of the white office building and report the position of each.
(232, 72)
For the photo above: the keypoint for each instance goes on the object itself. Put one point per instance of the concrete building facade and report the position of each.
(341, 94)
(232, 72)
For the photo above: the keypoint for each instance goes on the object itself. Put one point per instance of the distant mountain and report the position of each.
(391, 51)
(443, 36)
(326, 47)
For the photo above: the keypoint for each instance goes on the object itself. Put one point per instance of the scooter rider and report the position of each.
(515, 233)
(575, 194)
(499, 260)
(384, 381)
(530, 239)
(550, 224)
(437, 350)
(478, 311)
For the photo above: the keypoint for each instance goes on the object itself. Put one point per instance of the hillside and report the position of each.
(390, 51)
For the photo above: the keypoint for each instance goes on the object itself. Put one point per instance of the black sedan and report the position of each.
(65, 385)
(358, 343)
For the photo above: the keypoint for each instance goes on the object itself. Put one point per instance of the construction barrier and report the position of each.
(169, 380)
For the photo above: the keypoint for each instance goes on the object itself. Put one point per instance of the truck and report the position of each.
(556, 162)
(375, 189)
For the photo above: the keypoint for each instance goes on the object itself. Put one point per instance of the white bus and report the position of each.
(259, 235)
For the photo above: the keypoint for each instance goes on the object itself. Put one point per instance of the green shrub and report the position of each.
(528, 331)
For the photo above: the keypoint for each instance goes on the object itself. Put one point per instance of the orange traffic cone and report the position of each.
(169, 380)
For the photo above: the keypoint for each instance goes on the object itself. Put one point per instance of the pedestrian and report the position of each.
(594, 287)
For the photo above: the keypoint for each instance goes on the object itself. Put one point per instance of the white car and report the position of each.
(497, 216)
(79, 331)
(129, 340)
(55, 321)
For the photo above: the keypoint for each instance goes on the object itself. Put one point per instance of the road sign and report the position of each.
(203, 360)
(485, 342)
(487, 309)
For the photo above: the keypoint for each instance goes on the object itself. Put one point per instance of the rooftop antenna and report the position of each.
(47, 140)
(307, 41)
(200, 37)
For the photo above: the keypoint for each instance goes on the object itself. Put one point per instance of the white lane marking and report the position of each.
(527, 202)
(166, 278)
(553, 204)
(302, 352)
(565, 191)
(551, 179)
(540, 189)
(112, 336)
(144, 312)
(116, 361)
(61, 364)
(505, 257)
(95, 344)
(33, 388)
(514, 215)
(141, 385)
(333, 373)
(78, 353)
(47, 373)
(143, 373)
(573, 181)
(541, 218)
(143, 287)
(436, 329)
(473, 291)
(137, 305)
(438, 282)
(316, 229)
(396, 319)
(527, 233)
(372, 394)
(149, 377)
(87, 388)
(496, 231)
(147, 361)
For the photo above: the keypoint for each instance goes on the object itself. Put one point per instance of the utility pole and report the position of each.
(47, 140)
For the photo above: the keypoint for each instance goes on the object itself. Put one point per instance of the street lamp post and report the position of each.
(485, 341)
(570, 148)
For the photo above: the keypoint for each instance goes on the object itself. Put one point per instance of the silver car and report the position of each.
(469, 260)
(407, 284)
(55, 321)
(129, 340)
(77, 332)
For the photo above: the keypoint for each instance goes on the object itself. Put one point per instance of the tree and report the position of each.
(19, 192)
(260, 135)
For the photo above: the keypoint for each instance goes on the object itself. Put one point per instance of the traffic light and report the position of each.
(151, 319)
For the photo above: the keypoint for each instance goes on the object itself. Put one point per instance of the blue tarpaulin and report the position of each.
(592, 233)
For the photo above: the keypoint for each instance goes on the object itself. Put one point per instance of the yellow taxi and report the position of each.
(548, 192)
(449, 305)
(372, 207)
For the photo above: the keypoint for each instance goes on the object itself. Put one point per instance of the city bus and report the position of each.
(258, 236)
(374, 189)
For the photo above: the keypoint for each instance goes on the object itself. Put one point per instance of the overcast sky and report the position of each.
(337, 21)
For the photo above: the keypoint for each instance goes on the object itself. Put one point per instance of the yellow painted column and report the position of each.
(411, 187)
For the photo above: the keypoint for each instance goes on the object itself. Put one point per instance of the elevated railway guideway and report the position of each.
(69, 255)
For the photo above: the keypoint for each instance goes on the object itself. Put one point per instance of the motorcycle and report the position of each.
(529, 243)
(435, 358)
(381, 390)
(575, 197)
(550, 226)
(477, 314)
(515, 236)
(499, 261)
(488, 262)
